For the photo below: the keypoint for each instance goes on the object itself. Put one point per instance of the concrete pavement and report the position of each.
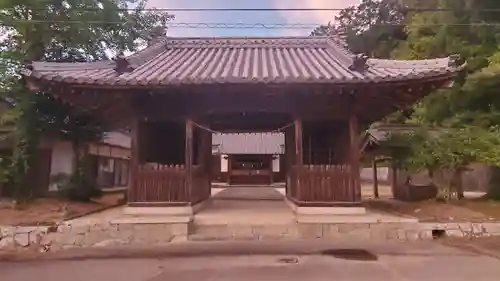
(314, 260)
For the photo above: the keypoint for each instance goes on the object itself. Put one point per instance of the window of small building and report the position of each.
(105, 174)
(112, 172)
(121, 172)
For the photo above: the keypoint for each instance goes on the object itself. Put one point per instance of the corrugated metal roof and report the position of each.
(249, 143)
(175, 61)
(117, 138)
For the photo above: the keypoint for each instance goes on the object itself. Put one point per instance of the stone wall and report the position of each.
(396, 231)
(111, 235)
(98, 235)
(405, 231)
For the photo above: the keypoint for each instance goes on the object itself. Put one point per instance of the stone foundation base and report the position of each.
(144, 233)
(168, 211)
(299, 210)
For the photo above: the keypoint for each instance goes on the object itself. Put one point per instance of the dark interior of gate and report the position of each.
(176, 163)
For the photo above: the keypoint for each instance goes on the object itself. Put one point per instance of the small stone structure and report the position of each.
(66, 236)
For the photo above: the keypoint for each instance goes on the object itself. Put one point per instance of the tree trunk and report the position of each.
(458, 183)
(394, 178)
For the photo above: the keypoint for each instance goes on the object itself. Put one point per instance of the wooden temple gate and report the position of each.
(312, 178)
(166, 91)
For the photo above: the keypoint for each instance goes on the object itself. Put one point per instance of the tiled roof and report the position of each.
(175, 61)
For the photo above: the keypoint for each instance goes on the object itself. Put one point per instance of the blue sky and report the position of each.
(310, 17)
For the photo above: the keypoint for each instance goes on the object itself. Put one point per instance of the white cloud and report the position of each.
(310, 17)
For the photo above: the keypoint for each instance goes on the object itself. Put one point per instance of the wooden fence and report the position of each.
(160, 183)
(321, 185)
(170, 185)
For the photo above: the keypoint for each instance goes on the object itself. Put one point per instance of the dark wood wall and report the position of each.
(324, 142)
(172, 164)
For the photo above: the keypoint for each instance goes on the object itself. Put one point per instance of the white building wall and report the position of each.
(224, 163)
(276, 164)
(62, 153)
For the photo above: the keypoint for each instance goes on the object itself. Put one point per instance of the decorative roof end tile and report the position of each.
(122, 65)
(156, 32)
(454, 60)
(359, 63)
(27, 70)
(337, 36)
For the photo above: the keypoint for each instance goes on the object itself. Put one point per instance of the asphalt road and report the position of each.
(323, 261)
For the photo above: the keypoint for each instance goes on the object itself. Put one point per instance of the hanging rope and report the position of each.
(206, 128)
(279, 130)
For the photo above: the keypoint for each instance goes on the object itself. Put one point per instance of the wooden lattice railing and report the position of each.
(321, 184)
(169, 183)
(160, 183)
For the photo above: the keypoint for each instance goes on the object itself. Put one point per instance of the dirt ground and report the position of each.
(433, 211)
(468, 209)
(482, 245)
(49, 210)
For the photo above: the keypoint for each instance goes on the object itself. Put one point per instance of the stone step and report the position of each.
(242, 232)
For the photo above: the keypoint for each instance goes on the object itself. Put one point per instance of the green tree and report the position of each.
(444, 152)
(57, 30)
(373, 27)
(441, 33)
(322, 30)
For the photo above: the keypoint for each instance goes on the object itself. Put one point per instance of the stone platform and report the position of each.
(258, 213)
(243, 213)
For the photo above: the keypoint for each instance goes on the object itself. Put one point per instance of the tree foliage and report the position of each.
(372, 27)
(447, 152)
(62, 30)
(464, 30)
(468, 114)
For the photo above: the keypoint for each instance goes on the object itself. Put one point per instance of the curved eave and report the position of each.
(108, 78)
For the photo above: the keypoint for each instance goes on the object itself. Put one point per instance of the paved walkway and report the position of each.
(246, 193)
(244, 205)
(276, 261)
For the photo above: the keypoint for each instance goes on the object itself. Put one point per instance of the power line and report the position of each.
(223, 25)
(256, 9)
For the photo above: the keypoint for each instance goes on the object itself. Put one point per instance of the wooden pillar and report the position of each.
(299, 158)
(134, 160)
(270, 169)
(375, 178)
(355, 190)
(394, 178)
(290, 161)
(299, 154)
(188, 157)
(206, 151)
